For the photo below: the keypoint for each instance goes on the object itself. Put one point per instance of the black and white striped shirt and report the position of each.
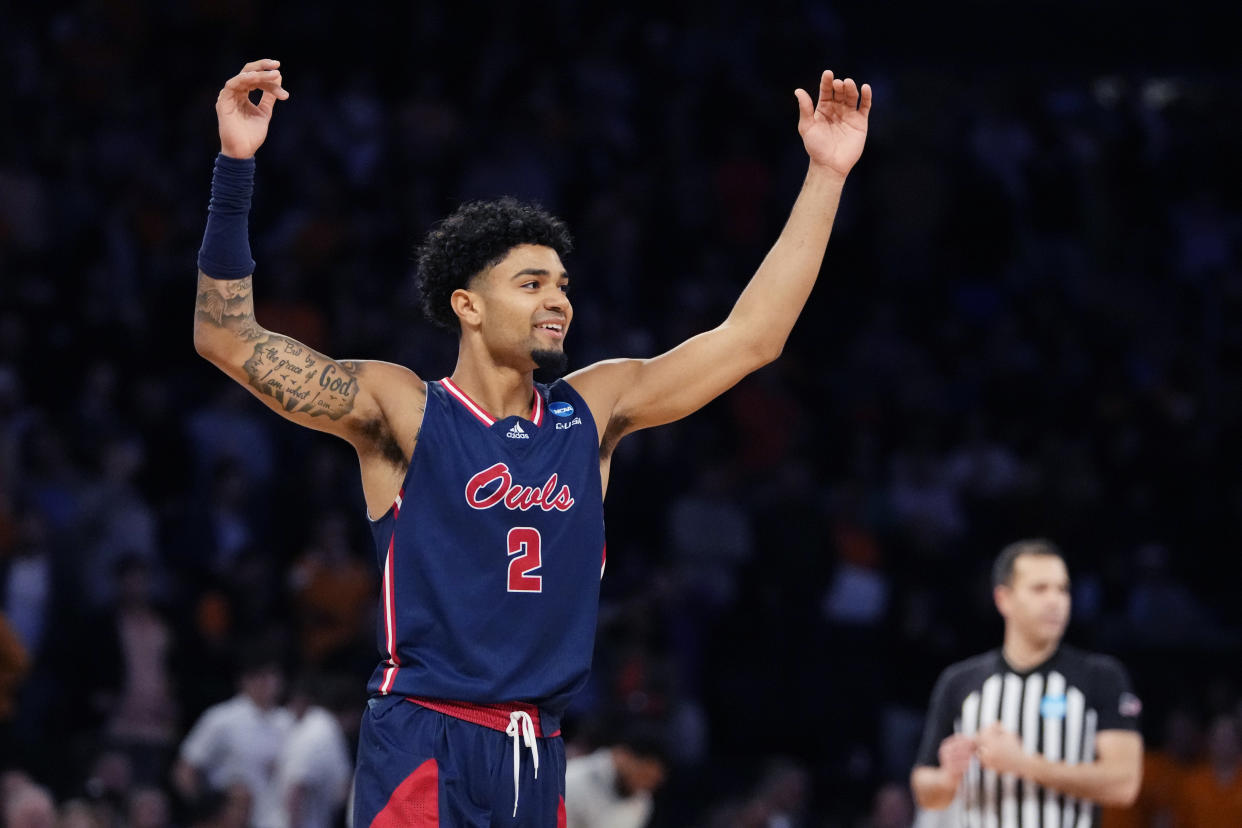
(1056, 709)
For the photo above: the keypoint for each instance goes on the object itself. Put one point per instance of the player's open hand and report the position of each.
(243, 124)
(834, 130)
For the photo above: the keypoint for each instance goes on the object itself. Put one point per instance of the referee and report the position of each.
(1035, 734)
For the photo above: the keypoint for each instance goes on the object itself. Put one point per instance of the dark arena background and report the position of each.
(1029, 323)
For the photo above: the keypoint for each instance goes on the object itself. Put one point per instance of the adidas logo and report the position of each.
(516, 433)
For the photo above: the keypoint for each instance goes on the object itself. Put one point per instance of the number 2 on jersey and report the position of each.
(524, 542)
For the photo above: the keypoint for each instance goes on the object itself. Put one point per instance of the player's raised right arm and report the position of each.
(376, 406)
(294, 380)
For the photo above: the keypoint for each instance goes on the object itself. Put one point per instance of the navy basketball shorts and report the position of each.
(420, 767)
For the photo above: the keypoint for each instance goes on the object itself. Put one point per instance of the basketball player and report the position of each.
(1036, 730)
(485, 489)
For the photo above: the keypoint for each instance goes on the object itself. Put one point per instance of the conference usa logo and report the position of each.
(494, 485)
(564, 411)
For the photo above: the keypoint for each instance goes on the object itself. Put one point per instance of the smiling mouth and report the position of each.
(553, 329)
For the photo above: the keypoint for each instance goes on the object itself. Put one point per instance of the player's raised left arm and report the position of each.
(631, 394)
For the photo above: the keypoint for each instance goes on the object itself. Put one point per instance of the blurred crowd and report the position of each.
(1029, 323)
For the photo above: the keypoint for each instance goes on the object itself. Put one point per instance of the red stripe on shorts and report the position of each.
(416, 801)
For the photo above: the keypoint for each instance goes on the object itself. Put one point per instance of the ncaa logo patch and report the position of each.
(561, 409)
(1129, 705)
(1053, 707)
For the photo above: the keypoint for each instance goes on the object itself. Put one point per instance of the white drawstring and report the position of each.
(521, 724)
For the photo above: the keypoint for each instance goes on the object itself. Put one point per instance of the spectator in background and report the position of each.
(27, 805)
(107, 786)
(28, 596)
(116, 523)
(711, 537)
(222, 527)
(14, 665)
(613, 786)
(208, 659)
(314, 769)
(229, 432)
(15, 419)
(333, 590)
(229, 808)
(52, 485)
(1210, 795)
(891, 807)
(28, 583)
(144, 716)
(239, 740)
(784, 790)
(1162, 611)
(925, 498)
(861, 588)
(148, 808)
(78, 813)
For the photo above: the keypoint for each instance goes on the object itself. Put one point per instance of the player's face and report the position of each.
(525, 302)
(1037, 601)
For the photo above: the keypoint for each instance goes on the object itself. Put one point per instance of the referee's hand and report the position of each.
(243, 124)
(1000, 750)
(955, 754)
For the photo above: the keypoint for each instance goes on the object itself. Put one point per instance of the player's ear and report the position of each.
(468, 306)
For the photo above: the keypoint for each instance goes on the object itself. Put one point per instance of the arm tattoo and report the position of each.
(302, 380)
(228, 304)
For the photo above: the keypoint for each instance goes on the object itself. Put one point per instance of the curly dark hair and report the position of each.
(475, 237)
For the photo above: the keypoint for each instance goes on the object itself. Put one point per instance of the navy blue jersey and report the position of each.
(491, 555)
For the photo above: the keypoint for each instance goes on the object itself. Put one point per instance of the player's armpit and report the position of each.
(599, 385)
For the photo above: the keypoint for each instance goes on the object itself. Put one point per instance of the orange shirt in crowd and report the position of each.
(1162, 776)
(1203, 800)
